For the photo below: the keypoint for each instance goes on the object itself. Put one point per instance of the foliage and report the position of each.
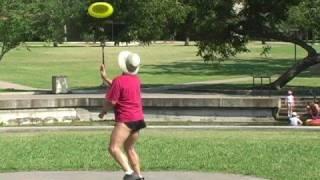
(148, 20)
(14, 25)
(21, 20)
(221, 27)
(223, 30)
(305, 15)
(143, 20)
(214, 28)
(266, 49)
(50, 17)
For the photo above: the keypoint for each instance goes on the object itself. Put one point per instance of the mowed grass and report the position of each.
(161, 64)
(268, 154)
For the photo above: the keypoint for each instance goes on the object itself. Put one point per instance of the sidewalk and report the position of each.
(86, 175)
(9, 85)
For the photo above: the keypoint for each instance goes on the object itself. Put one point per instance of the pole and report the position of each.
(102, 46)
(102, 49)
(295, 53)
(295, 47)
(112, 30)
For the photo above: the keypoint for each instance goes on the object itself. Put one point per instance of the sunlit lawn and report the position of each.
(161, 64)
(269, 154)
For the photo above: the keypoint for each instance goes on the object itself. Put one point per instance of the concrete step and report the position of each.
(221, 123)
(300, 108)
(284, 111)
(157, 123)
(299, 103)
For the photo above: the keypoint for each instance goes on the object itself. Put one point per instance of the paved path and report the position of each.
(9, 85)
(83, 175)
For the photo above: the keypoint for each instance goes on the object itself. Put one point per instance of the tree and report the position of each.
(224, 31)
(177, 15)
(51, 17)
(189, 11)
(14, 25)
(147, 20)
(143, 20)
(309, 11)
(217, 25)
(22, 20)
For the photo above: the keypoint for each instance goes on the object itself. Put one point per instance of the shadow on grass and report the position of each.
(235, 67)
(236, 89)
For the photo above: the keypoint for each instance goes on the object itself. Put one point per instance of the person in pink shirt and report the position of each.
(124, 97)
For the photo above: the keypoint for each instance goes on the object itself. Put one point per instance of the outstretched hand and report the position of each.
(103, 70)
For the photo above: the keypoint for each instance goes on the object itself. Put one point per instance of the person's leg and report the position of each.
(132, 154)
(290, 110)
(118, 137)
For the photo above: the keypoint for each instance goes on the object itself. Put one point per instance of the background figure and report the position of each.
(314, 110)
(290, 103)
(295, 120)
(309, 111)
(317, 109)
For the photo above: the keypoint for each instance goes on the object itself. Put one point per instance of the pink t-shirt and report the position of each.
(125, 91)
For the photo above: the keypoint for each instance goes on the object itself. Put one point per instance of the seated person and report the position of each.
(295, 120)
(315, 111)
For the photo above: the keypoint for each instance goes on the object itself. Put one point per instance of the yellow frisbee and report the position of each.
(100, 10)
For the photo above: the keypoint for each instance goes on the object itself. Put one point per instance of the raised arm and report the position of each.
(104, 76)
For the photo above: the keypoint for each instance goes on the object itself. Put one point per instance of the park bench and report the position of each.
(260, 76)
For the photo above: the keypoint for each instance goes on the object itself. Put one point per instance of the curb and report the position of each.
(103, 128)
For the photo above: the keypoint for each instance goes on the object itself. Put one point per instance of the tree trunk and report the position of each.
(55, 44)
(1, 56)
(187, 41)
(312, 58)
(65, 30)
(4, 50)
(313, 37)
(294, 71)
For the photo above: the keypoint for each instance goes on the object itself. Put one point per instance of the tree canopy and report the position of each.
(22, 20)
(14, 25)
(223, 31)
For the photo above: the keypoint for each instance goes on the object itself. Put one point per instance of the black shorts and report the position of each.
(135, 126)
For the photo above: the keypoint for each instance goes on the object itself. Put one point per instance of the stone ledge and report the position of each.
(193, 101)
(44, 109)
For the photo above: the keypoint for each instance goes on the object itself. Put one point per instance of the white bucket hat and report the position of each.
(129, 62)
(294, 114)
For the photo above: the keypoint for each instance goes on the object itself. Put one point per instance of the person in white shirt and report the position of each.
(295, 120)
(290, 103)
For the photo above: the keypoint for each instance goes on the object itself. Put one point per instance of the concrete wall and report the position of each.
(164, 108)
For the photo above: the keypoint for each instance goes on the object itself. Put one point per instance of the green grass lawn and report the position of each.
(161, 64)
(268, 154)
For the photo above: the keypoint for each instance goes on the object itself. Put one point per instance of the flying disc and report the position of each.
(100, 10)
